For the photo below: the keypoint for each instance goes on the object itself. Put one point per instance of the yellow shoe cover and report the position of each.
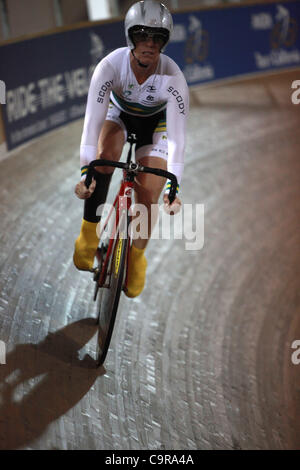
(137, 272)
(86, 246)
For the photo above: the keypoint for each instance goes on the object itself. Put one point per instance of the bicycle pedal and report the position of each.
(96, 272)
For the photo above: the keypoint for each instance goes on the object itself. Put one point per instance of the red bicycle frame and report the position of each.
(120, 208)
(123, 202)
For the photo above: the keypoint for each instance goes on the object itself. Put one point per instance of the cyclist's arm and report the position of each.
(97, 104)
(177, 111)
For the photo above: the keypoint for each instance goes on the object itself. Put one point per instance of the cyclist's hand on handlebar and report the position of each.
(82, 191)
(173, 208)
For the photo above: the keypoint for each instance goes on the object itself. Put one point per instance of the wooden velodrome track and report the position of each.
(202, 359)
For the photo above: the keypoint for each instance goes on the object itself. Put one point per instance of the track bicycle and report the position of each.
(111, 273)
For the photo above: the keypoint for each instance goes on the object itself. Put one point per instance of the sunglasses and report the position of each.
(143, 36)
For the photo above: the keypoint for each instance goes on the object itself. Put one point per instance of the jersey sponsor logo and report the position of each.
(179, 99)
(151, 89)
(159, 150)
(106, 86)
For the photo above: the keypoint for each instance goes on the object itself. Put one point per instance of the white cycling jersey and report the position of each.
(114, 79)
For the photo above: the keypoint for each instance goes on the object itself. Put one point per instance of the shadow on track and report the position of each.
(41, 382)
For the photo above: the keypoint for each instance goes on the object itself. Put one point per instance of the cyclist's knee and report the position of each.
(108, 170)
(147, 197)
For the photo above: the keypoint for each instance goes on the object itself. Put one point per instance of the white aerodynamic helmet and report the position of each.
(148, 16)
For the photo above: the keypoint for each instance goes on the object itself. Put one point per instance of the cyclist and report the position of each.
(133, 89)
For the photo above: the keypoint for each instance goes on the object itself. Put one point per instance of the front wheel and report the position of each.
(110, 295)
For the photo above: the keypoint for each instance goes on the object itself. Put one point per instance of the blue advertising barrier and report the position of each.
(211, 45)
(47, 78)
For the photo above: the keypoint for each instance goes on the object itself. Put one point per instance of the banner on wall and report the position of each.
(216, 44)
(47, 78)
